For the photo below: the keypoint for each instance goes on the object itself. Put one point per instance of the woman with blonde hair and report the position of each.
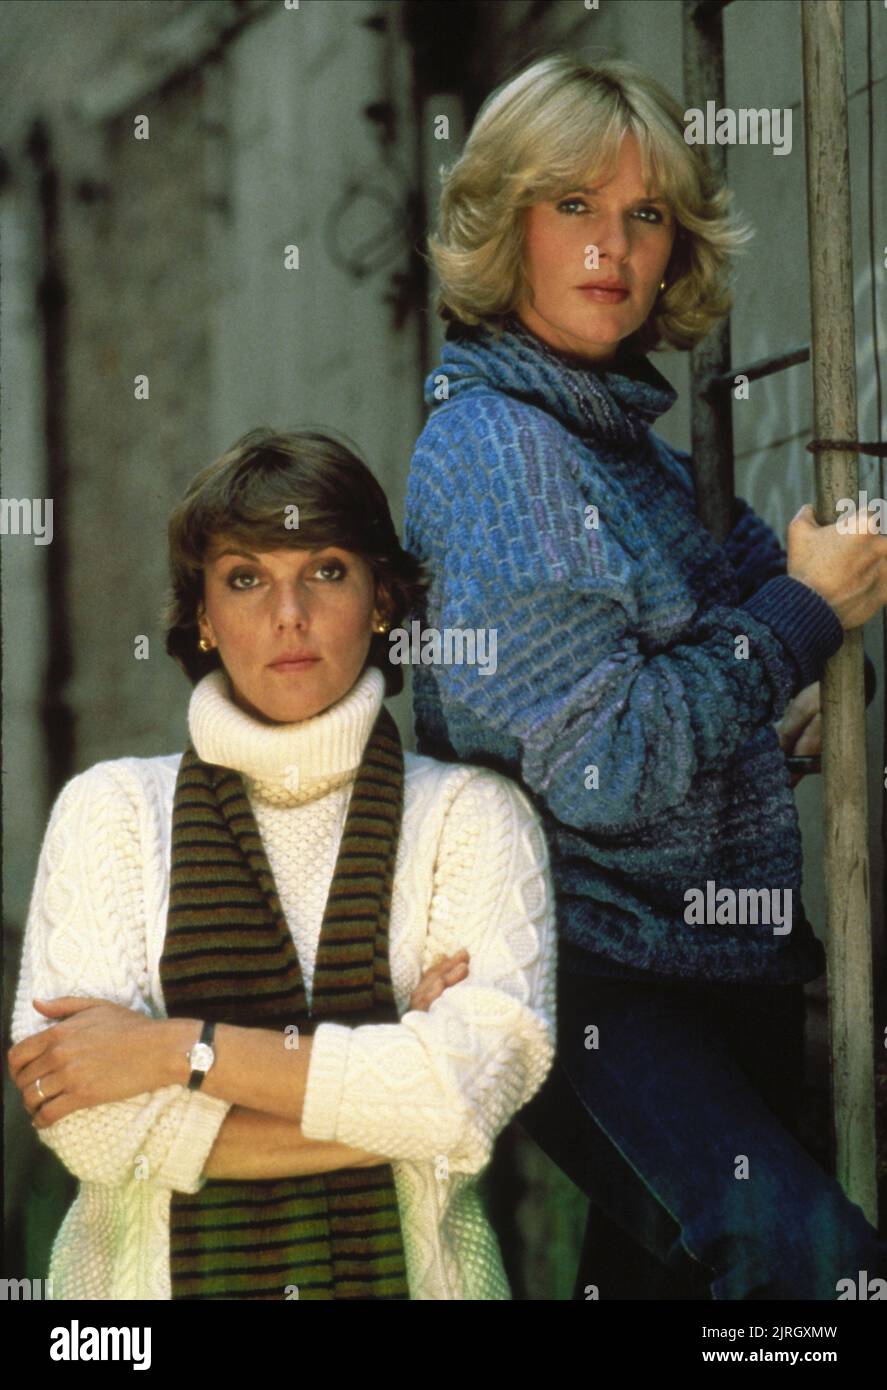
(641, 668)
(280, 993)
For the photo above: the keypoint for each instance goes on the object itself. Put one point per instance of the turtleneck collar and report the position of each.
(618, 401)
(285, 763)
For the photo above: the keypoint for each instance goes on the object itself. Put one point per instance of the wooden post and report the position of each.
(711, 414)
(849, 944)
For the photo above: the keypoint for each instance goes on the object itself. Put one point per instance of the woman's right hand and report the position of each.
(446, 971)
(847, 569)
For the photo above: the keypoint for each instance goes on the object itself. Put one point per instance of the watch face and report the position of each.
(202, 1057)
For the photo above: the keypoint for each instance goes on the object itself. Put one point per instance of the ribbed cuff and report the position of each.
(187, 1155)
(326, 1080)
(807, 625)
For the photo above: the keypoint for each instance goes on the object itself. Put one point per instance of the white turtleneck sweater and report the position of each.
(430, 1093)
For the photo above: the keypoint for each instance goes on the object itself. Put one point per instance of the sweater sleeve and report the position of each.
(440, 1085)
(753, 549)
(85, 936)
(578, 684)
(756, 555)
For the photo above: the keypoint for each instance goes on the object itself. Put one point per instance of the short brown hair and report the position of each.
(244, 493)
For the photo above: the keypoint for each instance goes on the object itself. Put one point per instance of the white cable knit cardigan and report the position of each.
(431, 1092)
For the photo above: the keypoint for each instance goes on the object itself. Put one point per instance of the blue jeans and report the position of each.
(680, 1126)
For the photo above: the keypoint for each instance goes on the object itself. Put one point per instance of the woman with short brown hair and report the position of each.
(280, 993)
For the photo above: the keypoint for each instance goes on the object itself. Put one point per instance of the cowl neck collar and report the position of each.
(617, 402)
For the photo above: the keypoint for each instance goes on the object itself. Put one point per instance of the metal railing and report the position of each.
(848, 909)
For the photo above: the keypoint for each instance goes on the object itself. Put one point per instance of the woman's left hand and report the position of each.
(800, 728)
(95, 1052)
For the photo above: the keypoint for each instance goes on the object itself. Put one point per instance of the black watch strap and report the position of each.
(207, 1034)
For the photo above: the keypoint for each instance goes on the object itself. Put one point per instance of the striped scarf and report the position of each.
(229, 956)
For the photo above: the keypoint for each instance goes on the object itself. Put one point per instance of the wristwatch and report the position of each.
(201, 1056)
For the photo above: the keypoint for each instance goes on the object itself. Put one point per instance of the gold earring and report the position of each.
(380, 626)
(661, 284)
(204, 645)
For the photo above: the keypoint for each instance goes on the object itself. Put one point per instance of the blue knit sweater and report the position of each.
(616, 649)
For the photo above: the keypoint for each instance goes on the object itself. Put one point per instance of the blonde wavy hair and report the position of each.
(539, 135)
